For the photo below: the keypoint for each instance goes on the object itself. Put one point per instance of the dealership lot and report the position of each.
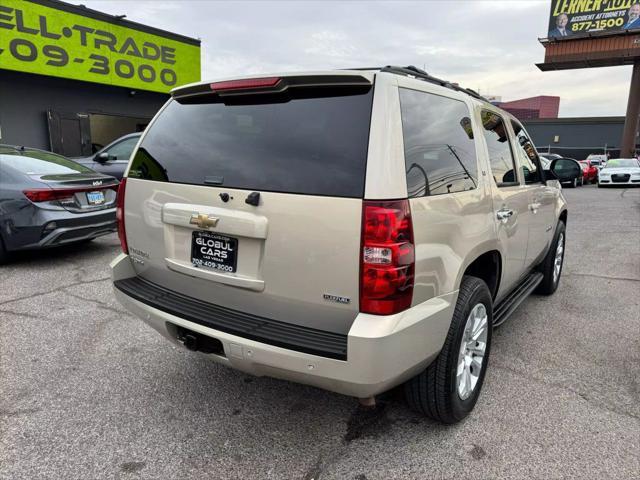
(88, 391)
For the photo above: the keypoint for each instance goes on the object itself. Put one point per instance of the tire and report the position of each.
(435, 391)
(574, 183)
(3, 254)
(550, 282)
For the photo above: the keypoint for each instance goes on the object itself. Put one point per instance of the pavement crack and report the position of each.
(98, 303)
(559, 386)
(606, 277)
(18, 314)
(57, 289)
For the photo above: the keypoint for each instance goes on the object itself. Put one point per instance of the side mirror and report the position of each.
(103, 157)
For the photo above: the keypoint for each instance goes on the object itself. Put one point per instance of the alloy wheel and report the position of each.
(472, 351)
(557, 264)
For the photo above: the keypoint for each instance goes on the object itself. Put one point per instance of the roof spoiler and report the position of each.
(269, 85)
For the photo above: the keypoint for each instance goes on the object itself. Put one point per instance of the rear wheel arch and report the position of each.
(563, 216)
(488, 268)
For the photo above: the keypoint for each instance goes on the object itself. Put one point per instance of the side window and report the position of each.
(439, 150)
(498, 145)
(527, 154)
(122, 150)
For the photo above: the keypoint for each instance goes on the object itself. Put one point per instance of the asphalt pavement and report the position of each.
(87, 391)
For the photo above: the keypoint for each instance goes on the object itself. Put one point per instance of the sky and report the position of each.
(490, 46)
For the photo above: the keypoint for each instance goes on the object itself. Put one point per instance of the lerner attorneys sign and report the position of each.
(55, 39)
(578, 18)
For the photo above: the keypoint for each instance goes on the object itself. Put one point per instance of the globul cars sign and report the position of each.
(576, 18)
(38, 37)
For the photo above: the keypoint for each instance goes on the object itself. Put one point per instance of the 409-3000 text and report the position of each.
(26, 51)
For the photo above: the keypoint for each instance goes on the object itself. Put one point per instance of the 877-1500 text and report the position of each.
(597, 24)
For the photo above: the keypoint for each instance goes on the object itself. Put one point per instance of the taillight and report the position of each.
(122, 233)
(37, 195)
(48, 194)
(245, 84)
(387, 257)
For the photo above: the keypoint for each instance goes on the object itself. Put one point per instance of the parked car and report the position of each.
(48, 200)
(314, 228)
(113, 159)
(597, 160)
(567, 170)
(589, 172)
(549, 156)
(620, 171)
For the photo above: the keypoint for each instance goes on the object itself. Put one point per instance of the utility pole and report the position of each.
(630, 132)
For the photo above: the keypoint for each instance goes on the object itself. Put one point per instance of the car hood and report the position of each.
(620, 170)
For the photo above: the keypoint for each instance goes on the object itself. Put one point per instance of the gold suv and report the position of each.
(352, 230)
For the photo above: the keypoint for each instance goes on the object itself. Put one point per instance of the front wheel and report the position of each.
(448, 389)
(574, 183)
(551, 266)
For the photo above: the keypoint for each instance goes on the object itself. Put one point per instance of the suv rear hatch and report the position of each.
(248, 195)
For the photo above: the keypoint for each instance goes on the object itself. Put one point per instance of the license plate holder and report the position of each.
(213, 251)
(95, 198)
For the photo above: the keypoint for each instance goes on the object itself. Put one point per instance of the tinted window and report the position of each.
(122, 150)
(439, 149)
(527, 154)
(303, 145)
(35, 162)
(500, 156)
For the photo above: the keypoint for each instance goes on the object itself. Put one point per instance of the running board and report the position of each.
(508, 304)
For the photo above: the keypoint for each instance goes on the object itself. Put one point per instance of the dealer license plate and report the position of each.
(95, 198)
(213, 251)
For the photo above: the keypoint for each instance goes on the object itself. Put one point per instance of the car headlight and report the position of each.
(637, 174)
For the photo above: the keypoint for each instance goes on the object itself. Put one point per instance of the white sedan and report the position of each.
(620, 171)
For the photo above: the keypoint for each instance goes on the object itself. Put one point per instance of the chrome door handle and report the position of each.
(504, 214)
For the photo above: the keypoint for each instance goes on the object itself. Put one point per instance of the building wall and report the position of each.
(25, 99)
(542, 106)
(578, 137)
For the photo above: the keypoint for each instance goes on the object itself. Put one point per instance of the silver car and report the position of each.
(352, 230)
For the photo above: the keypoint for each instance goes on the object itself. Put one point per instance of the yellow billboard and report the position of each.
(61, 40)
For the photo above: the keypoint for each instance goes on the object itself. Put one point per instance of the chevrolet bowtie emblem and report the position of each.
(203, 221)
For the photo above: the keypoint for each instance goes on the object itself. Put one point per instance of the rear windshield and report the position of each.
(315, 146)
(35, 162)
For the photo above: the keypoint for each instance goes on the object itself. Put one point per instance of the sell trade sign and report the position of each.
(56, 39)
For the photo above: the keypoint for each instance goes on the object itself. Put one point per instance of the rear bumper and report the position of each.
(50, 228)
(382, 351)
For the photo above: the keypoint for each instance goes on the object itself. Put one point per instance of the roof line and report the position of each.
(115, 20)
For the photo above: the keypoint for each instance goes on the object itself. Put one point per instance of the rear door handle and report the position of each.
(503, 214)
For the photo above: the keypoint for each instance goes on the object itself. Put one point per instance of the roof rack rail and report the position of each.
(422, 75)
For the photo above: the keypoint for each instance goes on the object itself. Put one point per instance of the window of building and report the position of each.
(439, 149)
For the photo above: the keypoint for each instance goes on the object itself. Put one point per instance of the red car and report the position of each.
(589, 172)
